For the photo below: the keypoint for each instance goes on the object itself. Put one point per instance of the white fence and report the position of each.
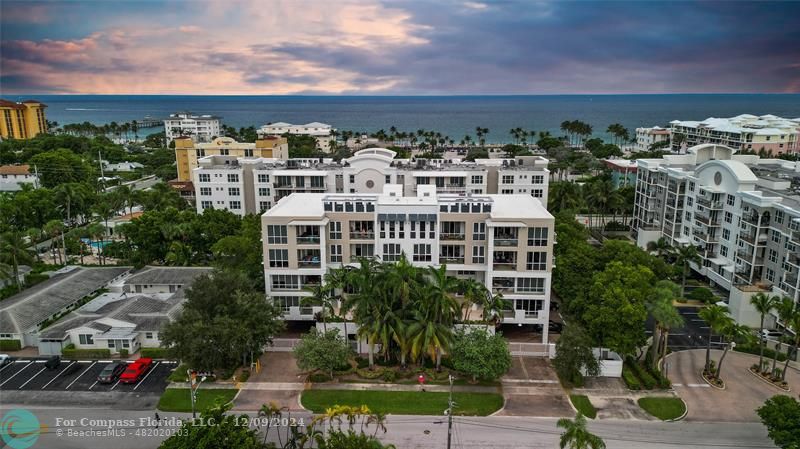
(282, 345)
(532, 349)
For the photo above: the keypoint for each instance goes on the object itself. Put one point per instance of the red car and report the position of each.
(136, 370)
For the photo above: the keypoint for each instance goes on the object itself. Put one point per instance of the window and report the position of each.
(204, 177)
(477, 179)
(263, 191)
(478, 254)
(233, 177)
(388, 179)
(248, 152)
(537, 193)
(200, 152)
(770, 275)
(277, 234)
(507, 191)
(233, 191)
(235, 205)
(205, 191)
(728, 217)
(773, 256)
(726, 234)
(391, 252)
(537, 179)
(352, 179)
(422, 252)
(111, 344)
(148, 335)
(779, 216)
(205, 205)
(263, 178)
(508, 179)
(478, 231)
(285, 282)
(691, 186)
(86, 339)
(537, 261)
(537, 236)
(225, 152)
(723, 250)
(264, 205)
(335, 230)
(336, 253)
(731, 200)
(530, 285)
(775, 235)
(279, 258)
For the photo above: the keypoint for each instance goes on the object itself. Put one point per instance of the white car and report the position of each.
(5, 359)
(767, 334)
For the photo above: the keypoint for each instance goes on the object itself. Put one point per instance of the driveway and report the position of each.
(743, 392)
(531, 388)
(280, 381)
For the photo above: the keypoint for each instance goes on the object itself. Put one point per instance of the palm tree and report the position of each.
(179, 254)
(96, 231)
(601, 195)
(577, 436)
(53, 229)
(322, 295)
(665, 317)
(732, 333)
(474, 293)
(34, 236)
(794, 324)
(15, 252)
(785, 309)
(428, 337)
(763, 304)
(564, 196)
(661, 247)
(718, 320)
(493, 308)
(684, 255)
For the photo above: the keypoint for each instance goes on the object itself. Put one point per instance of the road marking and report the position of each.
(104, 361)
(6, 366)
(147, 375)
(33, 377)
(79, 375)
(115, 385)
(95, 383)
(698, 385)
(39, 361)
(22, 361)
(15, 374)
(56, 376)
(676, 335)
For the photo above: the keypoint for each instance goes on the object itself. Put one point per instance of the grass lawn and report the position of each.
(663, 408)
(404, 402)
(177, 399)
(584, 405)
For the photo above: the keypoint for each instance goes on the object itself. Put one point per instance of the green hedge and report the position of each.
(630, 379)
(70, 352)
(754, 349)
(10, 345)
(154, 353)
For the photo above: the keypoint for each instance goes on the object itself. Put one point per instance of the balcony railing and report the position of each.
(451, 236)
(505, 266)
(307, 240)
(709, 203)
(505, 242)
(451, 260)
(362, 235)
(752, 239)
(309, 263)
(706, 220)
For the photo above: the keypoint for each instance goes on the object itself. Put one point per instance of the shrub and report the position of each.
(244, 375)
(480, 355)
(154, 353)
(10, 345)
(630, 380)
(753, 349)
(389, 375)
(361, 362)
(70, 352)
(367, 374)
(123, 353)
(648, 382)
(702, 294)
(319, 378)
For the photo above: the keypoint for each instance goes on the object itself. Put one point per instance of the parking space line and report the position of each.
(115, 385)
(10, 364)
(95, 383)
(147, 375)
(80, 375)
(15, 374)
(22, 361)
(56, 376)
(32, 377)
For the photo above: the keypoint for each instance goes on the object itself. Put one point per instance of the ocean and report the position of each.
(454, 116)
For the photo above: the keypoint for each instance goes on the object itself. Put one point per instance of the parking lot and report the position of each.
(694, 333)
(78, 375)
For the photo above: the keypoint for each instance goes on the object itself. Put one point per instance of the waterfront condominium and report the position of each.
(253, 185)
(742, 212)
(23, 120)
(503, 241)
(322, 132)
(647, 137)
(761, 134)
(188, 152)
(199, 128)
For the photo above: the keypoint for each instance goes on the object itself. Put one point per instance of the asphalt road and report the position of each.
(414, 432)
(694, 333)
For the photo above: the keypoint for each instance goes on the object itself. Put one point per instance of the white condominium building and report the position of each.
(741, 211)
(646, 137)
(254, 185)
(320, 131)
(200, 128)
(767, 133)
(503, 241)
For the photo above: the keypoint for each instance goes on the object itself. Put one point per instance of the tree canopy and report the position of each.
(480, 355)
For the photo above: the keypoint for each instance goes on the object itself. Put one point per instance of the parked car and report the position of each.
(5, 359)
(136, 370)
(552, 326)
(111, 372)
(53, 362)
(767, 334)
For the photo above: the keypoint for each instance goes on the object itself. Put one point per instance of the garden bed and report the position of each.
(404, 402)
(583, 405)
(775, 382)
(665, 409)
(178, 400)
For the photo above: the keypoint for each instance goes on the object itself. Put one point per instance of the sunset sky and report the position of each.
(397, 47)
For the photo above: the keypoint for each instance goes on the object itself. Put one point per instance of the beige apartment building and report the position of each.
(188, 152)
(503, 241)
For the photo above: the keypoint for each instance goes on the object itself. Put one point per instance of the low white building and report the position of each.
(766, 133)
(322, 132)
(122, 166)
(200, 128)
(13, 177)
(646, 137)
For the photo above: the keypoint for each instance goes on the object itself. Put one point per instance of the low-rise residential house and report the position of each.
(122, 166)
(163, 279)
(13, 177)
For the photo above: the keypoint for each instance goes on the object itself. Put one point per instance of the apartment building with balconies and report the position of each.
(741, 211)
(503, 241)
(369, 171)
(199, 128)
(767, 133)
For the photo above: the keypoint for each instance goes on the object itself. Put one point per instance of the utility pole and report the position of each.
(102, 176)
(450, 413)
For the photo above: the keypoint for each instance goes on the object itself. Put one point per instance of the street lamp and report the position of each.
(193, 386)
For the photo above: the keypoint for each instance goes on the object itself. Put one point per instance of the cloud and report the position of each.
(398, 47)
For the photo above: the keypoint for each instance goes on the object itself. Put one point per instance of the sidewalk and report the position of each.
(292, 386)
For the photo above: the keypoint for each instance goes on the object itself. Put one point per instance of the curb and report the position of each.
(710, 384)
(789, 390)
(685, 412)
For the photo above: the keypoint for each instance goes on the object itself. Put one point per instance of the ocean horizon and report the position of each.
(452, 115)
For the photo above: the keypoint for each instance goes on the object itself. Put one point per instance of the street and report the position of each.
(408, 432)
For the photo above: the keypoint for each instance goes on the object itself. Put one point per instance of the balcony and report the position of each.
(451, 260)
(506, 236)
(795, 237)
(794, 259)
(502, 285)
(709, 204)
(751, 239)
(308, 259)
(752, 219)
(308, 239)
(451, 236)
(706, 220)
(362, 235)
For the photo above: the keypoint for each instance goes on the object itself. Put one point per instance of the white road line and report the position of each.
(39, 361)
(95, 383)
(146, 375)
(22, 361)
(56, 376)
(15, 374)
(115, 385)
(80, 375)
(698, 385)
(104, 361)
(32, 377)
(7, 365)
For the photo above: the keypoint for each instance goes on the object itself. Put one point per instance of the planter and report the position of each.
(713, 382)
(769, 381)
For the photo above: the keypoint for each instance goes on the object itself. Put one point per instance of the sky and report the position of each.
(409, 47)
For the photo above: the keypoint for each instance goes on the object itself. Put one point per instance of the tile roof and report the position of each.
(15, 169)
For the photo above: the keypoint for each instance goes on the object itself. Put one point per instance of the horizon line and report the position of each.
(67, 94)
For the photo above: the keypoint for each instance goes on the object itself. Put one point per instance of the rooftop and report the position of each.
(167, 275)
(14, 169)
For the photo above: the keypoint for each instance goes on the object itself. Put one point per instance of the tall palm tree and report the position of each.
(763, 303)
(683, 256)
(717, 319)
(428, 336)
(53, 229)
(474, 293)
(577, 436)
(14, 250)
(792, 323)
(34, 237)
(732, 333)
(493, 308)
(322, 295)
(665, 317)
(785, 308)
(96, 232)
(564, 196)
(661, 247)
